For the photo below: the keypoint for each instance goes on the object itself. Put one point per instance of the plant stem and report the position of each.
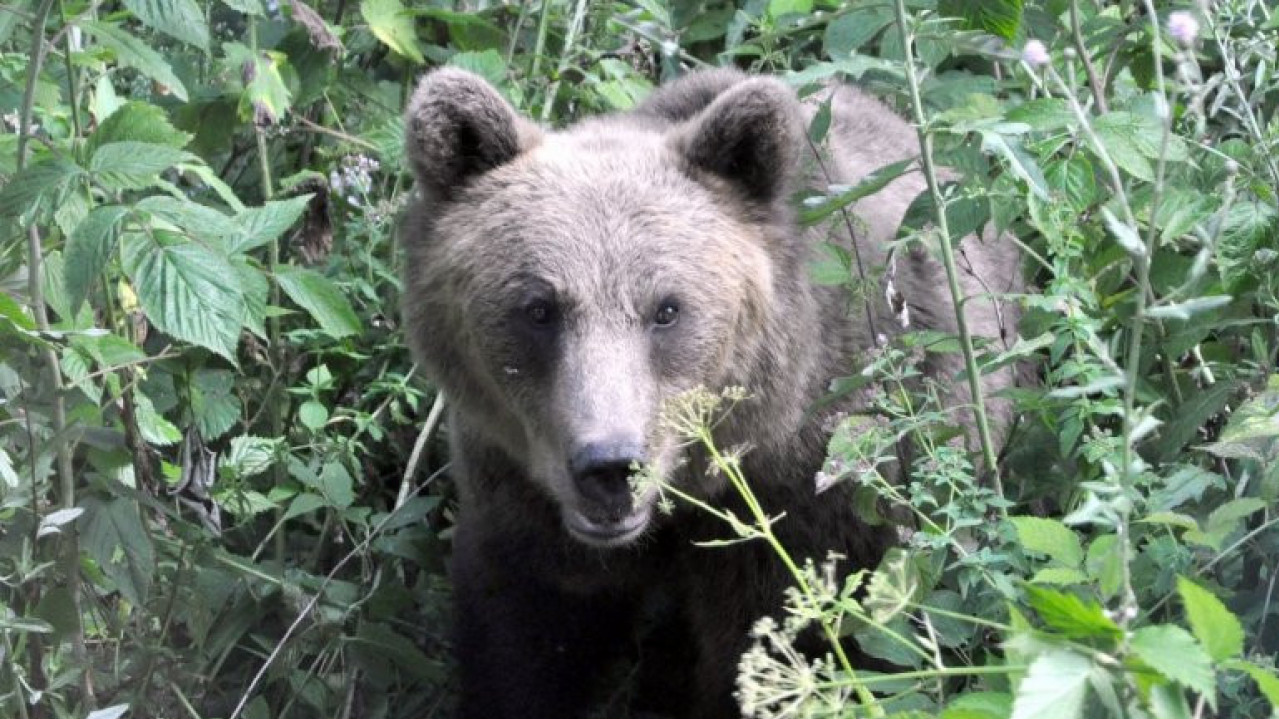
(70, 559)
(579, 15)
(278, 405)
(948, 254)
(1094, 82)
(539, 47)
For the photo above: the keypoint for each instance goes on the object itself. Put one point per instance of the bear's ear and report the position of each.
(749, 137)
(457, 127)
(682, 99)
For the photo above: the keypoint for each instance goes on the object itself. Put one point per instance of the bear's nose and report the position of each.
(601, 471)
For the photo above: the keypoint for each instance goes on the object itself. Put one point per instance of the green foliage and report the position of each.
(207, 412)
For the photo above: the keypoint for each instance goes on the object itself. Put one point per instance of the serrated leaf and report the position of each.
(1054, 688)
(7, 473)
(199, 221)
(979, 705)
(113, 535)
(132, 52)
(1071, 616)
(153, 427)
(390, 23)
(37, 185)
(838, 198)
(1074, 178)
(997, 17)
(1051, 537)
(88, 249)
(847, 33)
(1045, 113)
(258, 226)
(186, 289)
(1215, 626)
(304, 503)
(181, 20)
(1063, 576)
(1266, 681)
(133, 165)
(138, 122)
(1124, 234)
(213, 402)
(1017, 160)
(249, 456)
(321, 298)
(1175, 654)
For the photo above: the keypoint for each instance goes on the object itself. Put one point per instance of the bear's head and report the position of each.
(562, 285)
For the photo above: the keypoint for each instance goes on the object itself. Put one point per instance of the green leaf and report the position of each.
(199, 221)
(1266, 681)
(391, 24)
(88, 250)
(133, 165)
(313, 415)
(1054, 688)
(7, 473)
(1175, 654)
(1064, 576)
(249, 456)
(258, 226)
(155, 429)
(1044, 114)
(488, 65)
(321, 298)
(132, 52)
(266, 97)
(213, 402)
(181, 20)
(847, 33)
(997, 17)
(1051, 537)
(111, 532)
(816, 209)
(1189, 308)
(111, 712)
(1071, 616)
(304, 503)
(778, 8)
(187, 290)
(138, 122)
(43, 182)
(1124, 234)
(1215, 626)
(25, 624)
(1072, 178)
(979, 705)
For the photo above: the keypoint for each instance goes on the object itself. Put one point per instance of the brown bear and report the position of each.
(561, 285)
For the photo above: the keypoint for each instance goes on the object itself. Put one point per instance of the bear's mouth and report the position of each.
(608, 533)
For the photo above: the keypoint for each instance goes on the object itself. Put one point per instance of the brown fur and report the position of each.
(684, 199)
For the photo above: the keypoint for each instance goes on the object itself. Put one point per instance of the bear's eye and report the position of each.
(667, 313)
(540, 313)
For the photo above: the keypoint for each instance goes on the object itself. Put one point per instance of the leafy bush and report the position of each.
(218, 492)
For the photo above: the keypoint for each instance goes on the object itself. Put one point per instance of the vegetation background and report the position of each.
(222, 487)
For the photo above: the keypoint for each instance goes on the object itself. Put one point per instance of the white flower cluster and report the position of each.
(354, 178)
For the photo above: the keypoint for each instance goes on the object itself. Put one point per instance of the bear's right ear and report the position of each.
(749, 137)
(457, 127)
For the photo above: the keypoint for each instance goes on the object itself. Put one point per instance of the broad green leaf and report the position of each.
(778, 8)
(321, 298)
(997, 17)
(113, 535)
(979, 705)
(256, 289)
(89, 249)
(179, 19)
(1064, 576)
(138, 122)
(1071, 616)
(1167, 701)
(131, 165)
(1051, 537)
(377, 644)
(1054, 688)
(258, 226)
(847, 33)
(1018, 161)
(1175, 654)
(38, 184)
(313, 415)
(132, 52)
(1074, 179)
(266, 97)
(1266, 681)
(199, 221)
(15, 313)
(1045, 113)
(304, 503)
(249, 456)
(152, 425)
(390, 22)
(213, 402)
(187, 290)
(1228, 515)
(1133, 141)
(488, 65)
(1215, 626)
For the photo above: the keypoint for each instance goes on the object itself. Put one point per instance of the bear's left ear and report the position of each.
(749, 137)
(457, 127)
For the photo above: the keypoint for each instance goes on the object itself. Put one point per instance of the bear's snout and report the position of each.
(606, 508)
